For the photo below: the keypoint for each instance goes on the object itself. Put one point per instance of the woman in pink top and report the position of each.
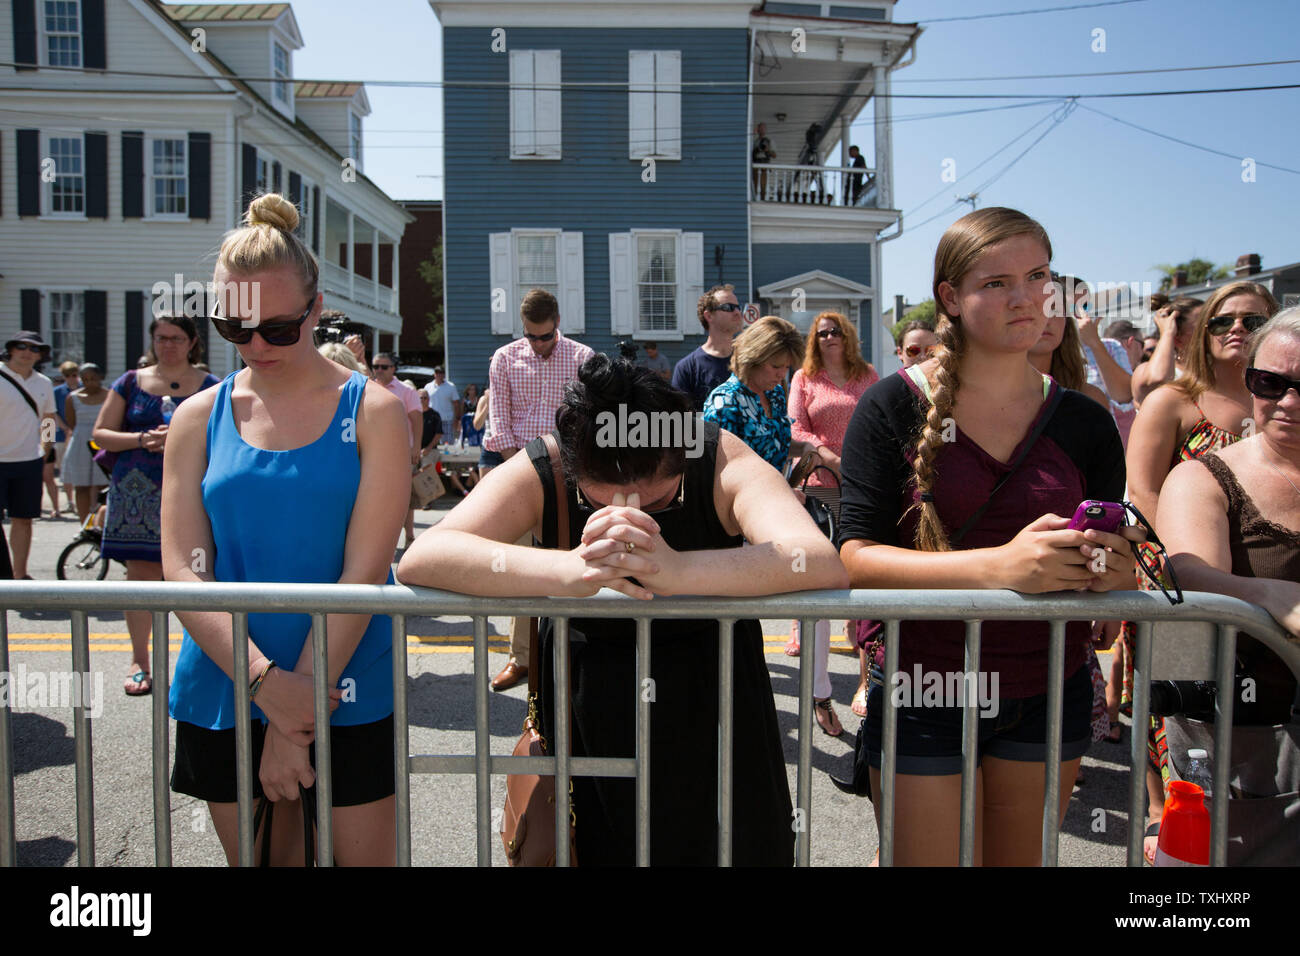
(823, 395)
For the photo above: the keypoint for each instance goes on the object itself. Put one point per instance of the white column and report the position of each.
(352, 256)
(374, 264)
(396, 278)
(845, 191)
(884, 138)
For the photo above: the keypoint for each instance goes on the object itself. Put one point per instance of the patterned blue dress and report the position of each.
(739, 410)
(132, 531)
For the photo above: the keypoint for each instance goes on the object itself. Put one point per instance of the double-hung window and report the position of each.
(62, 22)
(536, 263)
(354, 136)
(66, 325)
(654, 104)
(656, 277)
(532, 258)
(280, 69)
(306, 211)
(535, 104)
(65, 187)
(658, 290)
(166, 162)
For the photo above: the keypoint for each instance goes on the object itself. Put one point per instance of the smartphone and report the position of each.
(1105, 516)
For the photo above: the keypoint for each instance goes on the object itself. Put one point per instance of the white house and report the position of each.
(132, 135)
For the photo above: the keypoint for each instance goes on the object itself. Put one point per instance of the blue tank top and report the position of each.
(283, 516)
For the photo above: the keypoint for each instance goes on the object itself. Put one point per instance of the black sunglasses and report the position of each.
(544, 337)
(829, 334)
(1222, 324)
(1270, 385)
(726, 307)
(274, 333)
(1153, 559)
(382, 368)
(678, 502)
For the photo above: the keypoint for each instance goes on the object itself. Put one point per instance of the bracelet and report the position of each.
(257, 683)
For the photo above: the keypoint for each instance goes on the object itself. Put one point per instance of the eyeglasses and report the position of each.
(679, 500)
(544, 337)
(1222, 324)
(171, 339)
(1270, 385)
(726, 307)
(914, 350)
(1153, 559)
(829, 334)
(381, 368)
(273, 333)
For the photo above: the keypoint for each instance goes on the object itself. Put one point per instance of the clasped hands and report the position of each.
(605, 560)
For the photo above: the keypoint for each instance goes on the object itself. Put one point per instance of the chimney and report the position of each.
(898, 308)
(1247, 265)
(1180, 279)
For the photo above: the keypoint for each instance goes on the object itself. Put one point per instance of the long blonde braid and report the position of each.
(930, 534)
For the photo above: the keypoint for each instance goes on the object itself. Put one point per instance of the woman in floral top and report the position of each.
(751, 404)
(823, 395)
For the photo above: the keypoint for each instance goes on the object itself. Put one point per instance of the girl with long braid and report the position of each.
(923, 455)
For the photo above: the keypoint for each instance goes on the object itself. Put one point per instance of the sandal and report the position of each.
(138, 684)
(826, 718)
(859, 705)
(1152, 830)
(1116, 734)
(792, 647)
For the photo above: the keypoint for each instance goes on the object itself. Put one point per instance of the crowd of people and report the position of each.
(1012, 408)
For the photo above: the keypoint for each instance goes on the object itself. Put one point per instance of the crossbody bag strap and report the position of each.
(562, 539)
(1052, 402)
(23, 392)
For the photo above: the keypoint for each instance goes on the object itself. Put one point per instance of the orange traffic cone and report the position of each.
(1184, 828)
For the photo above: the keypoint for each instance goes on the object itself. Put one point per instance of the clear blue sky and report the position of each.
(1114, 200)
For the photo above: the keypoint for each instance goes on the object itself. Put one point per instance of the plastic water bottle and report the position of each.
(1198, 771)
(168, 409)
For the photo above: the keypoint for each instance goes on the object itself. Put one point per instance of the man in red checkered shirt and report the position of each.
(528, 377)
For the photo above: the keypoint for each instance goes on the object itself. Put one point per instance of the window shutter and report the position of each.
(523, 122)
(96, 175)
(248, 179)
(502, 278)
(93, 52)
(622, 313)
(132, 174)
(199, 154)
(29, 172)
(690, 273)
(315, 219)
(668, 104)
(572, 317)
(31, 308)
(640, 103)
(546, 103)
(134, 327)
(97, 327)
(295, 189)
(275, 177)
(24, 34)
(209, 304)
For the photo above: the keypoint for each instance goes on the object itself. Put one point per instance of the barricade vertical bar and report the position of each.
(81, 732)
(889, 756)
(162, 801)
(324, 757)
(644, 698)
(1055, 702)
(969, 743)
(726, 743)
(1222, 764)
(8, 834)
(482, 743)
(401, 744)
(562, 712)
(244, 769)
(803, 782)
(1137, 783)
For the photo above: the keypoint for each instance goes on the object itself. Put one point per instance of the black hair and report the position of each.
(186, 325)
(603, 385)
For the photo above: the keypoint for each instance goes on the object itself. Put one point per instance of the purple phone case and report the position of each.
(1105, 516)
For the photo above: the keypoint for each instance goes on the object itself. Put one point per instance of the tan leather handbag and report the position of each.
(528, 824)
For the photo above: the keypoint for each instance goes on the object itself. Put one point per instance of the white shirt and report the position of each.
(1116, 351)
(441, 400)
(20, 430)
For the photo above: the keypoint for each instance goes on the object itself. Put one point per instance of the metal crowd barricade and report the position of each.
(972, 606)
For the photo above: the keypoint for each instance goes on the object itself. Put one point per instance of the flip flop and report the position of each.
(859, 705)
(138, 684)
(1116, 734)
(792, 648)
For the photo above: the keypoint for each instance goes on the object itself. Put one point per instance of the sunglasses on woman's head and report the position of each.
(1222, 324)
(273, 333)
(1270, 385)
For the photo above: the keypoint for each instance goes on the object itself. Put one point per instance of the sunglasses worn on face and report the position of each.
(273, 333)
(727, 307)
(381, 368)
(1270, 385)
(914, 350)
(591, 507)
(1222, 324)
(23, 347)
(544, 337)
(830, 334)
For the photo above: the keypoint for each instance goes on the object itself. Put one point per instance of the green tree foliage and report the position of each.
(923, 312)
(431, 272)
(1198, 271)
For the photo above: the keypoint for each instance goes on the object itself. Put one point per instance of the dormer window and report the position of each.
(62, 22)
(280, 64)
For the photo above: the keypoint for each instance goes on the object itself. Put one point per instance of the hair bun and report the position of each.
(607, 381)
(272, 209)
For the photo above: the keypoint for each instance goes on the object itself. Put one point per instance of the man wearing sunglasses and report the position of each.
(527, 378)
(709, 366)
(26, 436)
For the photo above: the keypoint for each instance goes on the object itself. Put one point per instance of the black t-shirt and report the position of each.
(1078, 456)
(432, 426)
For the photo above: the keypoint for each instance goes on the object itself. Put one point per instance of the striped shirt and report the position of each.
(527, 390)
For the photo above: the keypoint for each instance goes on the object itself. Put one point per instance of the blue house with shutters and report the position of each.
(602, 151)
(130, 144)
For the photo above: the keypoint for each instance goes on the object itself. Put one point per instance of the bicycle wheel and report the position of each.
(82, 561)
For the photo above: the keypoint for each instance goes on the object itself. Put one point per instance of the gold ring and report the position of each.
(630, 546)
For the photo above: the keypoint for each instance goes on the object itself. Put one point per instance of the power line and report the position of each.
(1058, 76)
(1025, 13)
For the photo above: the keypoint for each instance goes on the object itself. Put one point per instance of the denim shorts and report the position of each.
(490, 459)
(930, 737)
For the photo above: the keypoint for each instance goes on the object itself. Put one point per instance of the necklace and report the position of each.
(1284, 477)
(176, 384)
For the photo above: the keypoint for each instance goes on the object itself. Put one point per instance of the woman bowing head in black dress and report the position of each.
(646, 521)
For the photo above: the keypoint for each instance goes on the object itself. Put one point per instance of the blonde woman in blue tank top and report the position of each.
(293, 470)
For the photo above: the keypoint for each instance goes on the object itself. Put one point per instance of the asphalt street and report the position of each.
(441, 722)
